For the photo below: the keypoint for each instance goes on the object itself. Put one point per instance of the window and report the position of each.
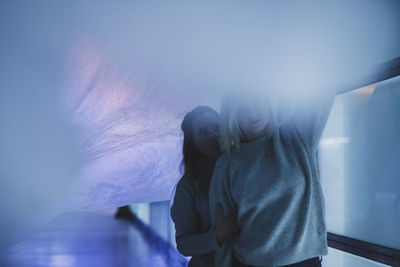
(360, 167)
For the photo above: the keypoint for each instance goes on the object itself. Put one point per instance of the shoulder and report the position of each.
(222, 162)
(184, 194)
(185, 185)
(220, 169)
(288, 133)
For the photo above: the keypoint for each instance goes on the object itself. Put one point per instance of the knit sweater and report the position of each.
(273, 186)
(190, 213)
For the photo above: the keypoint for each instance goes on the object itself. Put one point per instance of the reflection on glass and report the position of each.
(360, 164)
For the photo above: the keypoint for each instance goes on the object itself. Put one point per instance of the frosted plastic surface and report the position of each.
(92, 94)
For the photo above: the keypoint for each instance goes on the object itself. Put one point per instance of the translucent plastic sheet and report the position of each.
(92, 94)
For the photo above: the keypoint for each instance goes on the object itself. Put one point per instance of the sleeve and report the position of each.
(310, 115)
(219, 194)
(189, 240)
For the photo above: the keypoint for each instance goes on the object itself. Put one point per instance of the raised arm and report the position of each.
(310, 113)
(189, 239)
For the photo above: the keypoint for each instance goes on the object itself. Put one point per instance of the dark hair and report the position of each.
(189, 148)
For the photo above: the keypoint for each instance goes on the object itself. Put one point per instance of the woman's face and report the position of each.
(252, 119)
(206, 134)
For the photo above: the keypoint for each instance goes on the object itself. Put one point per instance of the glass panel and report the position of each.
(142, 211)
(159, 218)
(360, 164)
(156, 215)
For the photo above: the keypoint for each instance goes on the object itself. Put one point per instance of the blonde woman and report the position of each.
(268, 176)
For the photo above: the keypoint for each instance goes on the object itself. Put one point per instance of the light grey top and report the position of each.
(273, 185)
(190, 213)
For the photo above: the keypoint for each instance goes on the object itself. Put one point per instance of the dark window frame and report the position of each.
(379, 73)
(371, 251)
(364, 249)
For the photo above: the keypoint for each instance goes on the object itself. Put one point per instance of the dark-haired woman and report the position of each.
(190, 210)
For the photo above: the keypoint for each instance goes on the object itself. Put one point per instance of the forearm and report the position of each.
(197, 244)
(223, 255)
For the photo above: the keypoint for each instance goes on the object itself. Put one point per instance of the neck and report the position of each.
(253, 137)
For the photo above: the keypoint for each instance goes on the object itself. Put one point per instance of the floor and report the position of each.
(93, 239)
(85, 239)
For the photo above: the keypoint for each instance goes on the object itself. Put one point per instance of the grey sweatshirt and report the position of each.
(273, 186)
(190, 213)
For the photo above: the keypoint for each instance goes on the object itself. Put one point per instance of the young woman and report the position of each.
(269, 177)
(190, 211)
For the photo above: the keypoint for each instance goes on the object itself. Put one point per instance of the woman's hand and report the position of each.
(225, 226)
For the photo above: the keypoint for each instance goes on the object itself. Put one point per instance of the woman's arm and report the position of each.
(220, 195)
(189, 239)
(310, 113)
(225, 226)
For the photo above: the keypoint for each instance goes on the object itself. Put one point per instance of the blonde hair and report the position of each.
(230, 132)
